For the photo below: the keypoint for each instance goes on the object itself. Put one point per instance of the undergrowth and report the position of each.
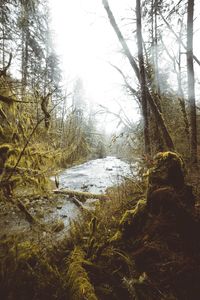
(43, 270)
(124, 249)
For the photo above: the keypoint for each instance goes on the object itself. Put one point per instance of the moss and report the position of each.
(168, 170)
(77, 278)
(4, 148)
(132, 221)
(117, 237)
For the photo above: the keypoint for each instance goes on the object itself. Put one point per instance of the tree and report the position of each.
(155, 109)
(191, 82)
(142, 80)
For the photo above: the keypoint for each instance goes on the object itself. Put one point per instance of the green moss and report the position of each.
(4, 148)
(164, 156)
(168, 170)
(117, 237)
(77, 278)
(132, 221)
(130, 214)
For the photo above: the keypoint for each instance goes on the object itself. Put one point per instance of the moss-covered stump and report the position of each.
(161, 234)
(167, 176)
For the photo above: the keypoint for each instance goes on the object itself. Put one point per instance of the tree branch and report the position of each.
(177, 37)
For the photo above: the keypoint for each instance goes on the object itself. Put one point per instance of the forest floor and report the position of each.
(97, 258)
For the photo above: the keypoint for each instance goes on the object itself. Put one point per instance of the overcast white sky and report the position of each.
(85, 42)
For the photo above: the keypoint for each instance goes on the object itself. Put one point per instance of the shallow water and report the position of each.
(94, 176)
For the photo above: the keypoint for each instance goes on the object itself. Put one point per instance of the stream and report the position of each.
(94, 176)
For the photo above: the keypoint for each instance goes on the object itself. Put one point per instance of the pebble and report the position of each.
(64, 216)
(59, 206)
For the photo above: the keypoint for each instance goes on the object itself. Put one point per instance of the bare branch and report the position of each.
(131, 89)
(177, 37)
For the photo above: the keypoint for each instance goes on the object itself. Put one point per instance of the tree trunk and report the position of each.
(166, 136)
(142, 80)
(181, 93)
(191, 82)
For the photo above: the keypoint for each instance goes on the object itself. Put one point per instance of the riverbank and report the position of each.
(33, 261)
(129, 246)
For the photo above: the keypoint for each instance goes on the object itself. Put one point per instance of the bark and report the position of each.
(153, 105)
(191, 82)
(142, 79)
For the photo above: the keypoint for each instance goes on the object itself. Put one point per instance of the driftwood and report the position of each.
(82, 196)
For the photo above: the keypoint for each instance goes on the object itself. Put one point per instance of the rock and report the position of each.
(64, 216)
(59, 206)
(109, 169)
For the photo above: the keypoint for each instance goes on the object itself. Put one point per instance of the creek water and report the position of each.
(94, 176)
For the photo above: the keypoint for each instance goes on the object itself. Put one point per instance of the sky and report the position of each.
(86, 42)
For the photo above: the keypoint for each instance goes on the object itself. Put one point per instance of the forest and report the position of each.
(99, 202)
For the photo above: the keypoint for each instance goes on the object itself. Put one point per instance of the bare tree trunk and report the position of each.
(158, 116)
(156, 48)
(191, 82)
(154, 129)
(180, 91)
(142, 80)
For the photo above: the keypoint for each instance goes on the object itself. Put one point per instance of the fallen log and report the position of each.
(82, 196)
(78, 203)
